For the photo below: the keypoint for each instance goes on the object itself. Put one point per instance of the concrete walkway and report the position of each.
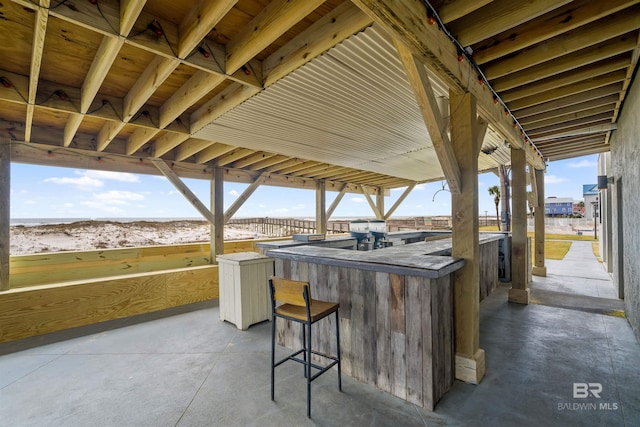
(579, 282)
(184, 367)
(578, 273)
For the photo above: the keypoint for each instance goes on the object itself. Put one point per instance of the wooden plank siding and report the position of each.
(26, 312)
(56, 291)
(488, 268)
(56, 267)
(396, 331)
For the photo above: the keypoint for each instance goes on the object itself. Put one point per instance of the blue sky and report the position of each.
(48, 192)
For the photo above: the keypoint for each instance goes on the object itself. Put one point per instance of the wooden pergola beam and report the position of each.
(582, 152)
(168, 142)
(407, 23)
(111, 112)
(336, 201)
(582, 57)
(39, 33)
(199, 22)
(151, 78)
(554, 23)
(568, 124)
(499, 16)
(536, 126)
(373, 206)
(452, 10)
(231, 210)
(580, 108)
(580, 38)
(568, 78)
(237, 154)
(273, 21)
(570, 89)
(192, 146)
(272, 161)
(213, 152)
(566, 101)
(180, 186)
(252, 159)
(339, 24)
(553, 152)
(431, 114)
(403, 196)
(603, 126)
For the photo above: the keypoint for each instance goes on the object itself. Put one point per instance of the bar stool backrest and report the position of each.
(290, 291)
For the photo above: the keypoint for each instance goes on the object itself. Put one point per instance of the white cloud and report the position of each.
(68, 205)
(118, 196)
(30, 202)
(357, 200)
(115, 176)
(420, 187)
(90, 179)
(553, 179)
(261, 206)
(299, 207)
(234, 193)
(84, 183)
(110, 200)
(583, 164)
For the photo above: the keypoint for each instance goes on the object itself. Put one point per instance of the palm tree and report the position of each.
(495, 192)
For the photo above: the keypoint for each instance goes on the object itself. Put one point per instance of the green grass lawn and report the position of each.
(555, 250)
(556, 246)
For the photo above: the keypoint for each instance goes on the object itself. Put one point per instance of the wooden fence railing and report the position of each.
(55, 291)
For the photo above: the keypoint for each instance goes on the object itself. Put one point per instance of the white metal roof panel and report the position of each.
(352, 106)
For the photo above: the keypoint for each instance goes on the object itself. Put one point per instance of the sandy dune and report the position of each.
(90, 235)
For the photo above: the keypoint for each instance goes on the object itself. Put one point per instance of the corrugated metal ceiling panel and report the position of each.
(352, 107)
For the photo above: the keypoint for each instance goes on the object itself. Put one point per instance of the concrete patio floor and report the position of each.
(184, 367)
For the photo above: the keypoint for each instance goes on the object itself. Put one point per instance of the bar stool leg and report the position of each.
(338, 347)
(309, 375)
(273, 353)
(304, 346)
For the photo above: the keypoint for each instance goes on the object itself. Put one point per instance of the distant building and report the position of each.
(579, 209)
(558, 206)
(591, 197)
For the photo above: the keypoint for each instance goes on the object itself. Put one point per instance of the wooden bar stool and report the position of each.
(298, 306)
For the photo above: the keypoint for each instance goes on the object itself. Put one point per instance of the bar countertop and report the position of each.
(427, 259)
(413, 264)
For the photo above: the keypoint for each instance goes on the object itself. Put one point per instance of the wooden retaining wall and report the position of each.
(56, 291)
(396, 331)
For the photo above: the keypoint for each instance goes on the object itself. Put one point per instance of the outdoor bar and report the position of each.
(396, 310)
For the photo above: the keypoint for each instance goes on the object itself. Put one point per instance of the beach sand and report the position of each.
(92, 235)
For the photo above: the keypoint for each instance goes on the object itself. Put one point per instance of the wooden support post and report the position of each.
(321, 207)
(217, 207)
(539, 269)
(469, 359)
(519, 292)
(380, 203)
(5, 216)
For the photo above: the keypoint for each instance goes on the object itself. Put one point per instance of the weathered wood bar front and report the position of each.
(396, 315)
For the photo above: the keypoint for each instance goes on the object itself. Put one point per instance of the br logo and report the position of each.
(584, 390)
